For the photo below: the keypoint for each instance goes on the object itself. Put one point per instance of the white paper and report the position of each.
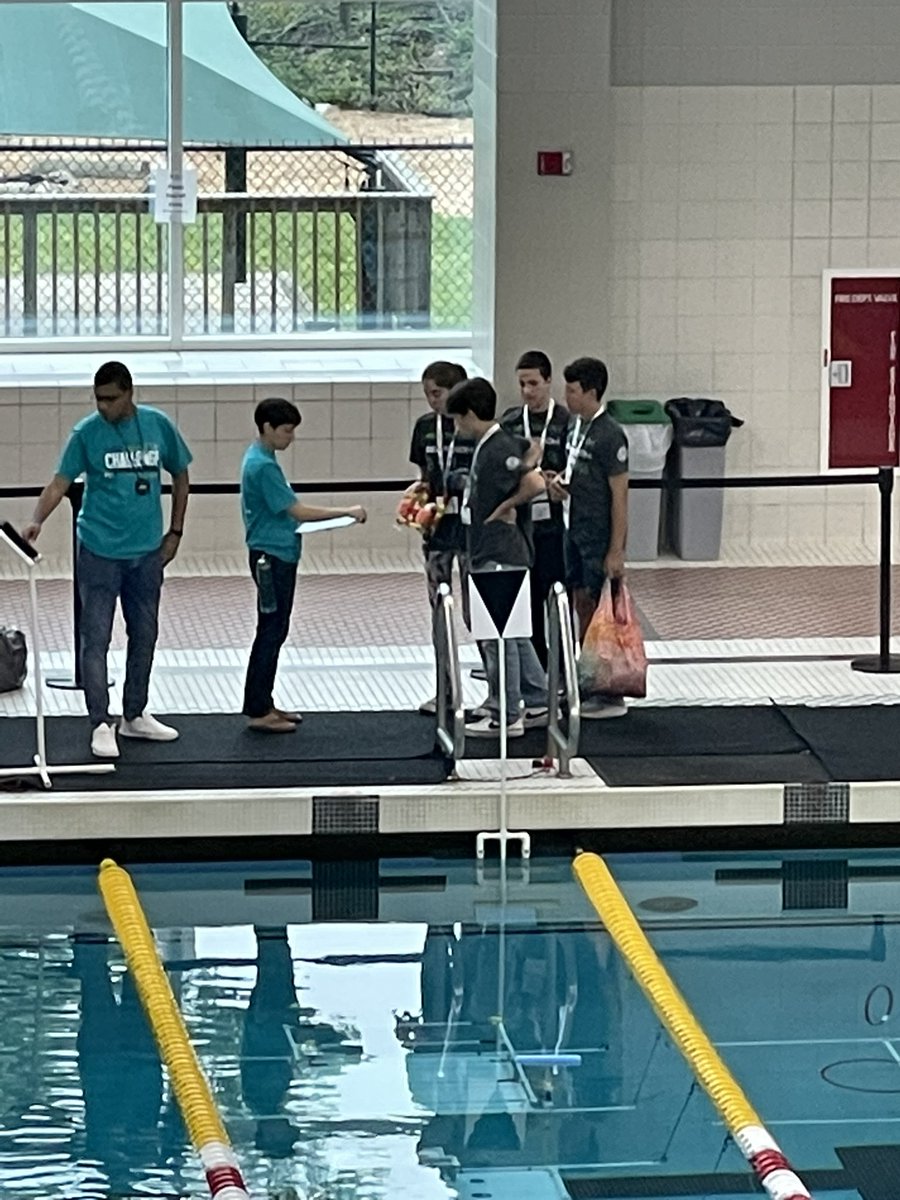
(173, 199)
(328, 523)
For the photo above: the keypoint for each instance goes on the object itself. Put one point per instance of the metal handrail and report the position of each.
(97, 260)
(451, 718)
(562, 642)
(47, 203)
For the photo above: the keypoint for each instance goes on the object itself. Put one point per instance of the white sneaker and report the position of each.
(477, 714)
(489, 727)
(147, 726)
(103, 741)
(428, 707)
(536, 718)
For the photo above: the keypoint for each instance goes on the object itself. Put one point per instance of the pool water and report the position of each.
(387, 1029)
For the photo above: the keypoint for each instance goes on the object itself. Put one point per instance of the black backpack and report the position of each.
(13, 659)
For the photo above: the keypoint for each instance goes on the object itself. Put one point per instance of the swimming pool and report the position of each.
(367, 1026)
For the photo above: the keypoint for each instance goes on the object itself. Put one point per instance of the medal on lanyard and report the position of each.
(540, 508)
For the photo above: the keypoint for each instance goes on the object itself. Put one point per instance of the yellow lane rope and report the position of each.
(192, 1091)
(756, 1144)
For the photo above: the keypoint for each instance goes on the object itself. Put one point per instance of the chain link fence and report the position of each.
(286, 241)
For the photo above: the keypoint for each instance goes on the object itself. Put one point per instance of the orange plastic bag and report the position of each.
(612, 659)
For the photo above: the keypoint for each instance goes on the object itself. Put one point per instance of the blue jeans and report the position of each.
(137, 582)
(526, 682)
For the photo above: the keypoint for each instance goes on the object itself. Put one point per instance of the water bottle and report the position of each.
(265, 586)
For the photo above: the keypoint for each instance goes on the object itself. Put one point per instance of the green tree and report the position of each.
(321, 51)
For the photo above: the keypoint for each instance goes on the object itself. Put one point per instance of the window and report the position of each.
(330, 143)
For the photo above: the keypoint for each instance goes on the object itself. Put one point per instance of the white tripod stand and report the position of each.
(41, 768)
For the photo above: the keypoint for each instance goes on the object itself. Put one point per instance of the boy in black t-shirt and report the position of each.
(503, 481)
(594, 485)
(442, 458)
(546, 424)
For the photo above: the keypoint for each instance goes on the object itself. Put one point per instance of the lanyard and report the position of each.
(137, 420)
(467, 491)
(526, 423)
(576, 444)
(445, 462)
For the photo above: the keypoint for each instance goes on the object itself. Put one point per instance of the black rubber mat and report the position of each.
(225, 738)
(217, 751)
(854, 744)
(724, 769)
(684, 733)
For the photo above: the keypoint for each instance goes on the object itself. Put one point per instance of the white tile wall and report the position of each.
(729, 204)
(350, 429)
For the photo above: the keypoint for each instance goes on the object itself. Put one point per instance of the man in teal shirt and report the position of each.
(271, 514)
(120, 451)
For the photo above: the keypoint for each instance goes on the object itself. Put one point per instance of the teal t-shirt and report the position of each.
(266, 498)
(121, 515)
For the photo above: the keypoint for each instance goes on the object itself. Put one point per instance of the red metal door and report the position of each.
(862, 383)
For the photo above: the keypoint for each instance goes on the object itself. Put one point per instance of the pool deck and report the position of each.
(360, 642)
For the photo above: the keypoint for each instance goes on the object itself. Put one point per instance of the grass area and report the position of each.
(451, 272)
(325, 268)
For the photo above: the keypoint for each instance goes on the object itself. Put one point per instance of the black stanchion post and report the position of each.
(883, 663)
(73, 682)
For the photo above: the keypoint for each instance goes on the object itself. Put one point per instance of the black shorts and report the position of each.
(584, 566)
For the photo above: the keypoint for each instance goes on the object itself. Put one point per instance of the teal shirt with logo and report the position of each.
(116, 521)
(266, 500)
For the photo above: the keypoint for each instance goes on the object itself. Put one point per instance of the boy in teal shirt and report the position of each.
(271, 512)
(120, 451)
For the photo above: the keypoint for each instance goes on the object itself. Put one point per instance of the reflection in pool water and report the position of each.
(474, 1039)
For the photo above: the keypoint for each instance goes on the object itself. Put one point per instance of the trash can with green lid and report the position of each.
(648, 429)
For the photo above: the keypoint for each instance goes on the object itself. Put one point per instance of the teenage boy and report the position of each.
(120, 451)
(271, 513)
(594, 488)
(545, 424)
(503, 481)
(442, 459)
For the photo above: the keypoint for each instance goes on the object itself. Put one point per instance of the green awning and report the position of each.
(99, 71)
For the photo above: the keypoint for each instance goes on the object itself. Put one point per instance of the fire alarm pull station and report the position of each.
(554, 162)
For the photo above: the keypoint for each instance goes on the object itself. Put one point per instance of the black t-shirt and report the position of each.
(603, 453)
(444, 466)
(554, 456)
(496, 474)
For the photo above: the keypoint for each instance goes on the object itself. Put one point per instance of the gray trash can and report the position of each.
(701, 430)
(649, 432)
